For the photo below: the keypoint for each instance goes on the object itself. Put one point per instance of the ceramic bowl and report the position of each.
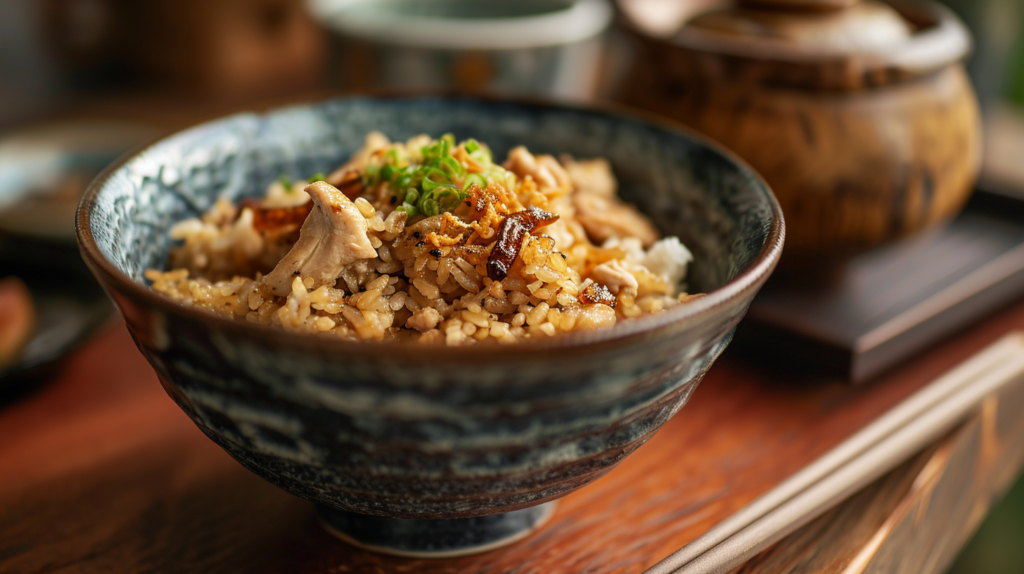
(551, 47)
(430, 432)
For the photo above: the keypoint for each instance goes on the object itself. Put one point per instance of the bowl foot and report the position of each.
(434, 538)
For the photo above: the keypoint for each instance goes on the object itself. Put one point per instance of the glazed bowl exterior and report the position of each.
(417, 431)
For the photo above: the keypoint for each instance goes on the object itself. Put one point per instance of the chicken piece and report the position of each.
(595, 316)
(614, 275)
(658, 270)
(17, 319)
(591, 176)
(424, 319)
(333, 236)
(547, 173)
(598, 207)
(566, 231)
(405, 245)
(605, 218)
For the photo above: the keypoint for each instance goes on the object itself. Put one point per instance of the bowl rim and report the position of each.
(641, 328)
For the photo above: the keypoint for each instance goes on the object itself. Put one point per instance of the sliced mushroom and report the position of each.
(511, 235)
(333, 236)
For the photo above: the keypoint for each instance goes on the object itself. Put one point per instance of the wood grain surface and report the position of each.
(100, 472)
(829, 543)
(918, 517)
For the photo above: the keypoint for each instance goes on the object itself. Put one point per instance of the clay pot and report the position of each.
(864, 132)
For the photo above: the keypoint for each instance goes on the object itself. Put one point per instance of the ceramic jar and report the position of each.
(542, 47)
(858, 114)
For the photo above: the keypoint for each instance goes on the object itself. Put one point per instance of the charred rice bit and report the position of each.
(429, 241)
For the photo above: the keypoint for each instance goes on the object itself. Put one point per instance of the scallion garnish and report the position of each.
(437, 183)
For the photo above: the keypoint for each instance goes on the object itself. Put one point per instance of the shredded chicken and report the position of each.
(591, 176)
(549, 175)
(333, 236)
(599, 210)
(605, 218)
(566, 231)
(614, 275)
(657, 271)
(424, 319)
(596, 316)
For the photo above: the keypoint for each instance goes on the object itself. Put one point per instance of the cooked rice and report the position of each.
(430, 279)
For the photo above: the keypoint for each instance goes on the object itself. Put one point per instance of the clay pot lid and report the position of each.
(838, 27)
(818, 44)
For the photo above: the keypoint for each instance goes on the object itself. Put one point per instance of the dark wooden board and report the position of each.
(100, 472)
(859, 316)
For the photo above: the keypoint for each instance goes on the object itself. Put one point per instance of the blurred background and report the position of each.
(83, 81)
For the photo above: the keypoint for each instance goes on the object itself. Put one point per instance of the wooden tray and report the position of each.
(100, 472)
(860, 316)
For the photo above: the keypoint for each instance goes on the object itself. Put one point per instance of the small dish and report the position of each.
(45, 168)
(548, 47)
(69, 307)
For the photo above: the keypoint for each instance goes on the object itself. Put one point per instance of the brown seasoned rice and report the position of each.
(432, 277)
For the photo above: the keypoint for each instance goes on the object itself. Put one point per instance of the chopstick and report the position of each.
(856, 462)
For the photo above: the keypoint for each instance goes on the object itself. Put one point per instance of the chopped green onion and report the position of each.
(286, 181)
(453, 168)
(432, 179)
(436, 182)
(428, 206)
(318, 176)
(474, 179)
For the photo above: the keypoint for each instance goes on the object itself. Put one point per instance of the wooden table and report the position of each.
(100, 472)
